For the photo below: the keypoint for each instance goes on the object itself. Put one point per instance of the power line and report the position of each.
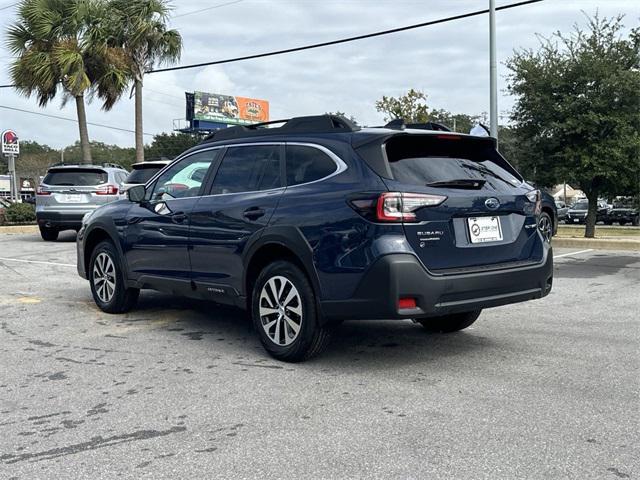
(336, 42)
(11, 5)
(344, 40)
(205, 9)
(57, 117)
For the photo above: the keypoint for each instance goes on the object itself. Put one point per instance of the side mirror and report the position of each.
(136, 193)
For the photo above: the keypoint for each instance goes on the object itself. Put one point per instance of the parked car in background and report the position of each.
(577, 214)
(548, 220)
(624, 211)
(68, 192)
(141, 172)
(561, 210)
(318, 221)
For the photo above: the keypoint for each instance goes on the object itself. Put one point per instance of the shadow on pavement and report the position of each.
(356, 344)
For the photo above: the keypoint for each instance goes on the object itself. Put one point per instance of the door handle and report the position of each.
(253, 213)
(178, 217)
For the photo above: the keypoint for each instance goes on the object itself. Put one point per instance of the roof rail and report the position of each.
(429, 126)
(310, 124)
(78, 164)
(399, 124)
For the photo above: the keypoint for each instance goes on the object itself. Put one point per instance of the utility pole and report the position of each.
(493, 72)
(15, 193)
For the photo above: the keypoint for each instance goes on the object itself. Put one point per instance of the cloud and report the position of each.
(448, 61)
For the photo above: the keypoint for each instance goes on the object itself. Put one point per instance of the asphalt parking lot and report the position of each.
(181, 389)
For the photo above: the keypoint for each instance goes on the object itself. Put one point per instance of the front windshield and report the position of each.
(581, 206)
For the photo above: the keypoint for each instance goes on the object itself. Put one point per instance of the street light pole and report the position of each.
(493, 72)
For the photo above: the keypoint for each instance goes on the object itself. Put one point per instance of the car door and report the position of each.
(239, 203)
(157, 236)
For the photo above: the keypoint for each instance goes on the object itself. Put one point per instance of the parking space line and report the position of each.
(37, 261)
(573, 253)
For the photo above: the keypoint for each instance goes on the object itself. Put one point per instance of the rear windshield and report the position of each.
(83, 177)
(141, 174)
(424, 160)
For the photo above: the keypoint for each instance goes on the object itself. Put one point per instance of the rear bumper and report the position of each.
(402, 275)
(62, 220)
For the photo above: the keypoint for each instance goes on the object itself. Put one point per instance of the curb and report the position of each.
(597, 243)
(16, 229)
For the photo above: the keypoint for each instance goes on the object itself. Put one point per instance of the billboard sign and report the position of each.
(214, 107)
(10, 143)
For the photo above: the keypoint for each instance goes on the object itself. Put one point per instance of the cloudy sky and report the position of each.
(448, 61)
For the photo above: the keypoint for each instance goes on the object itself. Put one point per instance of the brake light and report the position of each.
(401, 207)
(107, 190)
(42, 191)
(534, 196)
(407, 302)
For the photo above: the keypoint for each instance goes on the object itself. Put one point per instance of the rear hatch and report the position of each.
(75, 187)
(487, 216)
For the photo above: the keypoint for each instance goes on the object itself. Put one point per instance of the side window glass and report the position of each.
(307, 164)
(184, 179)
(248, 169)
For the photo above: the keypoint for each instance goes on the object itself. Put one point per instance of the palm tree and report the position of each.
(142, 32)
(53, 55)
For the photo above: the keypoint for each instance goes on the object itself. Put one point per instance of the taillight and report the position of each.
(401, 207)
(534, 196)
(107, 190)
(42, 191)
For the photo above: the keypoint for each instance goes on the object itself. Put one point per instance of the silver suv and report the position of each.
(68, 192)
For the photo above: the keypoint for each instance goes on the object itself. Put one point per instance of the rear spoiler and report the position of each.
(373, 148)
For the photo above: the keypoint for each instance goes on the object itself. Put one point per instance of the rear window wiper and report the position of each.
(468, 183)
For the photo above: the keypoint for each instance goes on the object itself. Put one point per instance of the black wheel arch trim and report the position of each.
(292, 239)
(112, 233)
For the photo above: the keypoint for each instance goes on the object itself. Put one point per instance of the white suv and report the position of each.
(68, 192)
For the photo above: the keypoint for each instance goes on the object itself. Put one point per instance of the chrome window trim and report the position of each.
(341, 166)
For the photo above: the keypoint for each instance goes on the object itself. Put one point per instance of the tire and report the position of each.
(450, 323)
(622, 224)
(608, 222)
(107, 280)
(636, 222)
(545, 225)
(49, 234)
(294, 298)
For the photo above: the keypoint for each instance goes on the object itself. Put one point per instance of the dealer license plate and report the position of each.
(485, 229)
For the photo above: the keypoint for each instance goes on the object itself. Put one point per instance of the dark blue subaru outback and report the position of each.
(318, 221)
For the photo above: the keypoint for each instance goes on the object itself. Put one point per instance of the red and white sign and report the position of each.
(10, 143)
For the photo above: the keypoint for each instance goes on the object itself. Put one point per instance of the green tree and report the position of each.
(170, 145)
(50, 41)
(411, 107)
(34, 160)
(576, 113)
(140, 29)
(457, 122)
(102, 153)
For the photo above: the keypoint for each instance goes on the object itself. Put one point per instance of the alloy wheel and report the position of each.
(544, 225)
(104, 277)
(280, 310)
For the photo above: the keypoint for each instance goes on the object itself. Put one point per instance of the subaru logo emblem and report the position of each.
(492, 203)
